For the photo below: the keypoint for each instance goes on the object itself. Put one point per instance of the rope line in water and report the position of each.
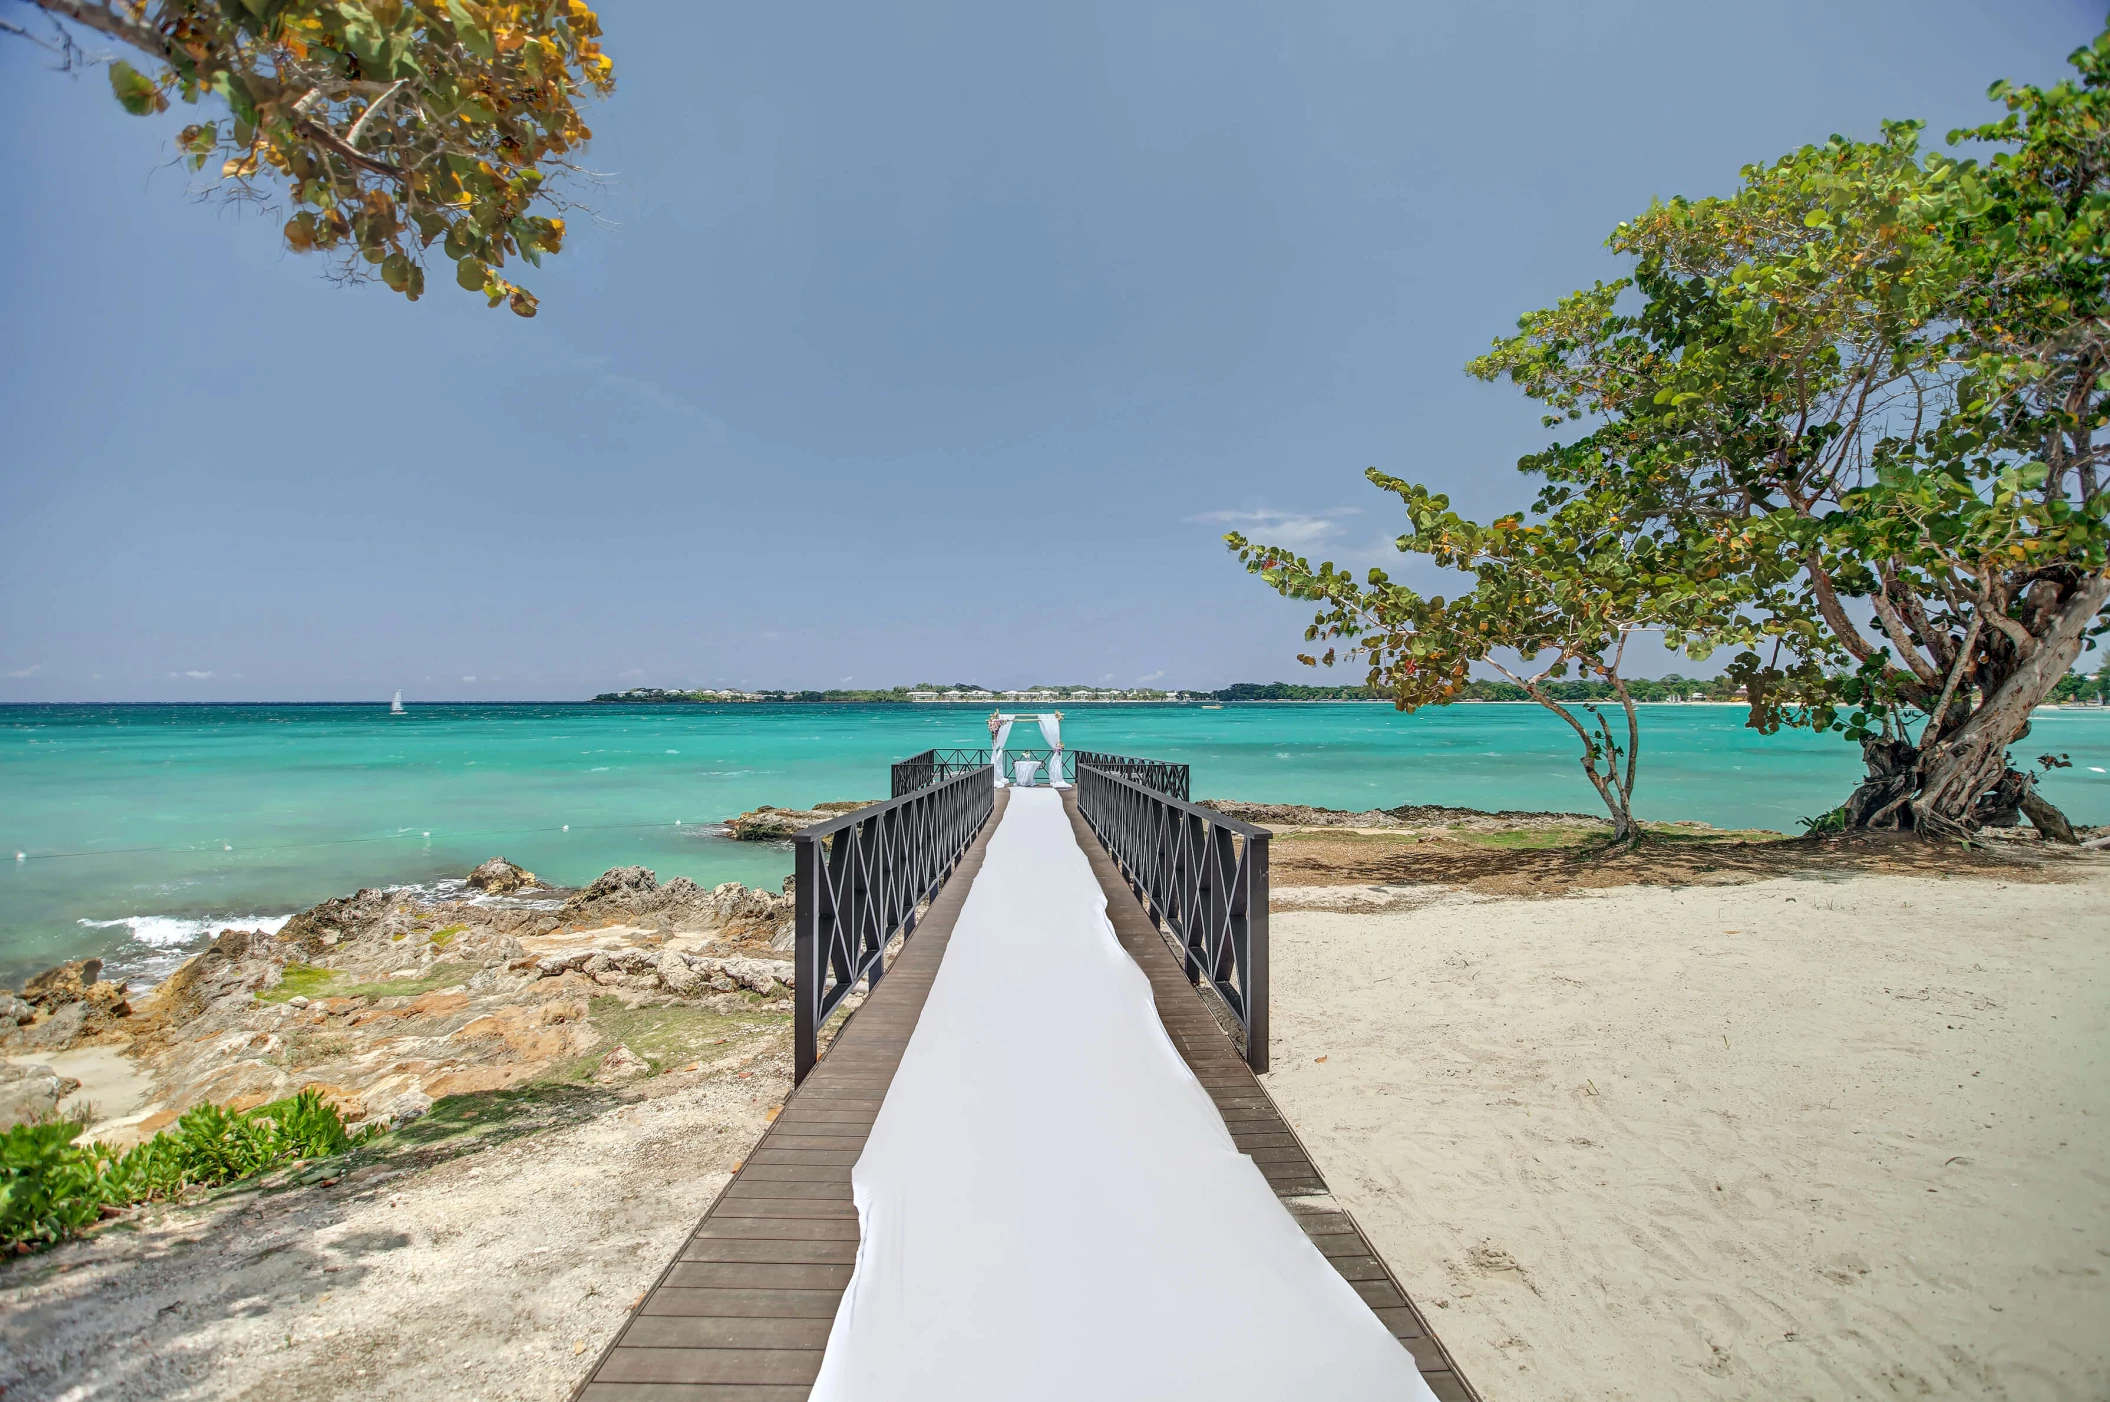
(349, 841)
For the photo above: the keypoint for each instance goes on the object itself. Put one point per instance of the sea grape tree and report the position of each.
(1860, 406)
(1565, 591)
(383, 128)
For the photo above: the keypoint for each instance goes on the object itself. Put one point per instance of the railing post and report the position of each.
(870, 852)
(806, 931)
(1256, 952)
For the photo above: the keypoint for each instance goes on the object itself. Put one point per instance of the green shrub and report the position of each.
(52, 1188)
(47, 1189)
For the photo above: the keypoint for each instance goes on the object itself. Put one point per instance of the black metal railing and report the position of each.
(1202, 878)
(861, 879)
(920, 771)
(1170, 780)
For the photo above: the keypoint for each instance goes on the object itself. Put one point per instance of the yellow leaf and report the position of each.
(239, 166)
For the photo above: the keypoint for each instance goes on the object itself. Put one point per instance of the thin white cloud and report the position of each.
(652, 393)
(31, 670)
(1293, 530)
(1150, 677)
(194, 675)
(468, 679)
(634, 674)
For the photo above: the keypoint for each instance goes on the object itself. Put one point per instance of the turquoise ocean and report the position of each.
(142, 829)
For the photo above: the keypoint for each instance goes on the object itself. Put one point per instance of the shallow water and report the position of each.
(144, 828)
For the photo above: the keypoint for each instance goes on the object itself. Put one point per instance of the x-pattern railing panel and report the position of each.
(1204, 879)
(862, 877)
(917, 771)
(1171, 780)
(921, 771)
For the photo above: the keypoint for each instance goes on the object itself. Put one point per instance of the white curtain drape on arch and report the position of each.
(996, 753)
(1051, 731)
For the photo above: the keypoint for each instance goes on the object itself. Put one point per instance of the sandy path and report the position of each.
(498, 1273)
(1796, 1139)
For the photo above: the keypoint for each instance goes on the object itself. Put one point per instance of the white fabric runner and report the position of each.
(1050, 1205)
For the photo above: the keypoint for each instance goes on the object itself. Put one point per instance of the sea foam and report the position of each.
(159, 943)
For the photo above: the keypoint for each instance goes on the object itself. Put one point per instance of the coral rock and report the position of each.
(498, 876)
(674, 972)
(31, 1093)
(410, 1105)
(622, 1064)
(68, 983)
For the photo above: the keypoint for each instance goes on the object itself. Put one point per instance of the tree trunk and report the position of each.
(1882, 802)
(2046, 818)
(1615, 789)
(1959, 781)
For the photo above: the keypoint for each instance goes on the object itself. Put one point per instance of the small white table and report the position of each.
(1022, 772)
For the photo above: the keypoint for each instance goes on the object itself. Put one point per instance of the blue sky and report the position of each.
(918, 341)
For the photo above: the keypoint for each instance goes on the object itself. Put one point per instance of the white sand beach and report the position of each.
(1801, 1138)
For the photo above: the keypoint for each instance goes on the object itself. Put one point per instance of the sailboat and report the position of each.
(395, 707)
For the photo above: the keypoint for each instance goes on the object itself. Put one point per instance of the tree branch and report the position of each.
(322, 136)
(61, 42)
(1935, 640)
(1835, 615)
(1633, 721)
(351, 138)
(104, 20)
(1932, 729)
(1900, 635)
(2025, 641)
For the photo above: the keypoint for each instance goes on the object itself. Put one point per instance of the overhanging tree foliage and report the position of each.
(1868, 385)
(388, 127)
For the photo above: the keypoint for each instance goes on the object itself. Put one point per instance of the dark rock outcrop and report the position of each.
(768, 824)
(65, 1007)
(68, 983)
(498, 876)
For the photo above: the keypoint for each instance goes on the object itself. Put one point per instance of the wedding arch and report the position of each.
(1050, 723)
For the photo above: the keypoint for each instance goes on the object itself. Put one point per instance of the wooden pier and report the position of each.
(743, 1312)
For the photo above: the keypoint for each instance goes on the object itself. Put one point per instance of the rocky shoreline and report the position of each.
(386, 1001)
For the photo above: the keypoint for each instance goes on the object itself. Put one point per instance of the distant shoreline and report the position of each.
(414, 706)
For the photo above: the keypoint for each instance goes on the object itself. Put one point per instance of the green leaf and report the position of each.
(136, 93)
(236, 95)
(473, 36)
